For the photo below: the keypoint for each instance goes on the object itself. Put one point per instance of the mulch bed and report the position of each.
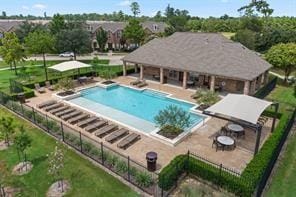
(108, 82)
(22, 168)
(66, 93)
(56, 189)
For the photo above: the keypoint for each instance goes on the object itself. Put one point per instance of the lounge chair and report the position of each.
(142, 84)
(67, 111)
(71, 115)
(116, 135)
(105, 130)
(78, 118)
(135, 82)
(47, 103)
(62, 108)
(87, 121)
(39, 89)
(54, 106)
(128, 140)
(49, 86)
(95, 126)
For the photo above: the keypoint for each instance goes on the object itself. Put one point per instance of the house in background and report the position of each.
(113, 29)
(200, 60)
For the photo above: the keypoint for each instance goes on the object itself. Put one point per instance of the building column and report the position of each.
(265, 77)
(259, 81)
(185, 77)
(124, 68)
(253, 87)
(201, 79)
(247, 88)
(161, 76)
(212, 84)
(141, 72)
(136, 68)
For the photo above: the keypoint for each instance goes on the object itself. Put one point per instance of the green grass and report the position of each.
(85, 178)
(284, 179)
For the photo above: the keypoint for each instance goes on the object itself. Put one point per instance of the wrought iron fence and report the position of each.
(265, 90)
(125, 167)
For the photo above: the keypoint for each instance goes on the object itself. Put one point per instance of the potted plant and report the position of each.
(66, 85)
(172, 121)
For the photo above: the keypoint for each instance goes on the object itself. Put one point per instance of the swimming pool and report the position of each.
(132, 107)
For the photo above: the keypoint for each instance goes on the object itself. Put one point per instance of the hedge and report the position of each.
(244, 185)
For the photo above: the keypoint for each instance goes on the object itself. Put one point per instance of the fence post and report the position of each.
(102, 153)
(62, 130)
(34, 117)
(80, 141)
(22, 107)
(187, 167)
(128, 168)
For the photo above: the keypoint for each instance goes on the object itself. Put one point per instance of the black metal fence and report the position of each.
(130, 170)
(265, 90)
(262, 183)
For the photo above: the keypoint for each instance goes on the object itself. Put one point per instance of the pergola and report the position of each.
(244, 110)
(69, 65)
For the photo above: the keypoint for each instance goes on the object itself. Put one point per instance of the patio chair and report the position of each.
(128, 141)
(87, 121)
(49, 86)
(116, 135)
(78, 118)
(142, 84)
(62, 108)
(54, 106)
(71, 115)
(217, 144)
(105, 130)
(39, 89)
(225, 131)
(62, 113)
(95, 126)
(135, 82)
(47, 103)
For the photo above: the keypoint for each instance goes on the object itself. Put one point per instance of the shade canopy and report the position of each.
(243, 107)
(69, 65)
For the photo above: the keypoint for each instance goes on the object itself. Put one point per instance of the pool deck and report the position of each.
(199, 141)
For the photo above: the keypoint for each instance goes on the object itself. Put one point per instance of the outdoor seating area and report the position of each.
(97, 126)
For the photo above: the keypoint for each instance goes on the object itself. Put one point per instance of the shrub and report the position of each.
(121, 166)
(111, 159)
(143, 179)
(206, 97)
(86, 146)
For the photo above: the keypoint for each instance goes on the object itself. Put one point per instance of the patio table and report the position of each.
(190, 83)
(236, 128)
(225, 140)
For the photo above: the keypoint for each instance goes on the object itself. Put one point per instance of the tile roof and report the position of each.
(205, 53)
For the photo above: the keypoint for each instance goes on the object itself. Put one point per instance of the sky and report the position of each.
(201, 8)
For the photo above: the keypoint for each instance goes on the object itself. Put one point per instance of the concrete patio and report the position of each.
(199, 142)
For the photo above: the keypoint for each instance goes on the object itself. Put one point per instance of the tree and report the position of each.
(56, 165)
(7, 128)
(256, 7)
(4, 174)
(135, 8)
(102, 38)
(28, 27)
(107, 74)
(176, 19)
(75, 39)
(4, 15)
(283, 56)
(22, 142)
(246, 37)
(173, 118)
(134, 32)
(11, 50)
(40, 42)
(57, 24)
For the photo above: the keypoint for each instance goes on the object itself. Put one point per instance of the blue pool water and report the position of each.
(141, 104)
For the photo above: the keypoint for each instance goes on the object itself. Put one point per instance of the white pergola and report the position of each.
(243, 109)
(69, 65)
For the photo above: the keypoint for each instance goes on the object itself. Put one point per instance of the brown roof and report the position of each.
(205, 53)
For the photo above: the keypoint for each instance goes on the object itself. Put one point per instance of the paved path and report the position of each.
(277, 75)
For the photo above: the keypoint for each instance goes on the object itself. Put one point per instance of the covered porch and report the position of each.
(194, 80)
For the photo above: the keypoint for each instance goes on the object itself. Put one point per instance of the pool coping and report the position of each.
(154, 134)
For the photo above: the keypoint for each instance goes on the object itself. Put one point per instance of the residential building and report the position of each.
(200, 59)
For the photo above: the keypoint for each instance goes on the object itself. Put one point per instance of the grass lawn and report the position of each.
(85, 178)
(284, 179)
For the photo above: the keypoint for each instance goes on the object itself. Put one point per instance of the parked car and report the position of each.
(67, 54)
